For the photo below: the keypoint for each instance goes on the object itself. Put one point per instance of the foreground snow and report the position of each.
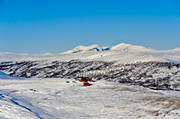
(67, 99)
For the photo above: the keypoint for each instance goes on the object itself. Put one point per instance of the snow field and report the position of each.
(67, 99)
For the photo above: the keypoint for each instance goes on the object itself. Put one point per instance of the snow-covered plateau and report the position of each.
(131, 82)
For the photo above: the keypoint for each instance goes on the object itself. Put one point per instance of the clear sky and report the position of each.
(39, 26)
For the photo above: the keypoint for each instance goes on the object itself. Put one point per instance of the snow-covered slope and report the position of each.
(67, 99)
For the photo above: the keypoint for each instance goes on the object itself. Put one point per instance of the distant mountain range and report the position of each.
(123, 47)
(123, 53)
(120, 47)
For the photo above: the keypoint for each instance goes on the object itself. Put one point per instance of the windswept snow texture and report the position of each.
(154, 75)
(67, 99)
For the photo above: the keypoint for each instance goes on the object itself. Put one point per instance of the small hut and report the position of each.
(85, 80)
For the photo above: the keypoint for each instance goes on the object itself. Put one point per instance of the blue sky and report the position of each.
(38, 26)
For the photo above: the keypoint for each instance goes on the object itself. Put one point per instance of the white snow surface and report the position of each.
(122, 53)
(59, 99)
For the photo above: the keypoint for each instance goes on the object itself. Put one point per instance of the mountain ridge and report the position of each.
(120, 46)
(122, 53)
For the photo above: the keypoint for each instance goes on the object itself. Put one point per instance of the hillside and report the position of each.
(155, 75)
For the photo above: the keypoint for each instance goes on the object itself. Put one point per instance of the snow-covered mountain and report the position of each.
(121, 53)
(123, 47)
(130, 48)
(80, 49)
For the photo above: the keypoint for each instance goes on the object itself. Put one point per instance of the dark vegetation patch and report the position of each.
(154, 75)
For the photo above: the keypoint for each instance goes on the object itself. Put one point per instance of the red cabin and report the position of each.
(86, 84)
(85, 80)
